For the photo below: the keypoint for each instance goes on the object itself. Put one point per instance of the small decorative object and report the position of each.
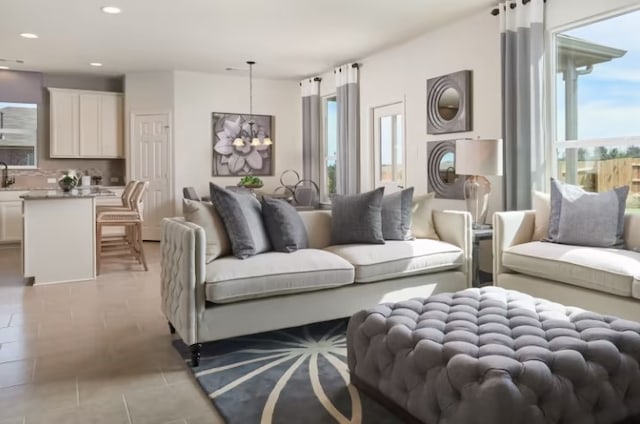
(449, 103)
(68, 180)
(242, 144)
(250, 182)
(478, 158)
(442, 175)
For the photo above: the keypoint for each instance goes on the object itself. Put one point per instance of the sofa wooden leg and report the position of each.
(172, 329)
(195, 354)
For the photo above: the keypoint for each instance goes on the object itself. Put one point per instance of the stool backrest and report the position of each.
(128, 192)
(138, 196)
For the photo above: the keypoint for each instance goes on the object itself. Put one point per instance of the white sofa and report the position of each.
(602, 280)
(230, 297)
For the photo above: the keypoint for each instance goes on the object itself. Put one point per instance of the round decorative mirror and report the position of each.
(446, 168)
(441, 171)
(449, 104)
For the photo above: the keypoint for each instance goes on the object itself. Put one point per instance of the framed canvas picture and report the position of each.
(246, 158)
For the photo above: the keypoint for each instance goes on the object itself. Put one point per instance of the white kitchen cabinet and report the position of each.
(10, 216)
(86, 124)
(64, 124)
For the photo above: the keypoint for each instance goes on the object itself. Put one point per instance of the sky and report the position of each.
(609, 97)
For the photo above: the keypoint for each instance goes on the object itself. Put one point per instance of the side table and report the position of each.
(479, 234)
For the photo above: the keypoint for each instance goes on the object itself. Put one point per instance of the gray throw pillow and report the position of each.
(582, 218)
(284, 225)
(357, 218)
(242, 217)
(396, 215)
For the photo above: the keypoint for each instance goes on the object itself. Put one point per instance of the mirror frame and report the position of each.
(461, 122)
(436, 150)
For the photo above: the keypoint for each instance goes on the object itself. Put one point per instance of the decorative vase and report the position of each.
(67, 183)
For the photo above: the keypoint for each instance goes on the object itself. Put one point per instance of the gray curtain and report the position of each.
(311, 129)
(522, 47)
(348, 107)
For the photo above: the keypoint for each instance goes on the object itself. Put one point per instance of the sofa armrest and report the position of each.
(182, 248)
(455, 227)
(510, 229)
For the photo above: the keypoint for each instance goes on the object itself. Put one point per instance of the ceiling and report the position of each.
(287, 38)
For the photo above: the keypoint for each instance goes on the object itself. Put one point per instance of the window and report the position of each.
(388, 140)
(597, 105)
(18, 134)
(329, 148)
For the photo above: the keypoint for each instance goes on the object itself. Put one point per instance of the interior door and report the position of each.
(389, 146)
(150, 148)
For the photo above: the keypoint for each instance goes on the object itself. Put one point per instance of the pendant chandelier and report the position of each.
(253, 135)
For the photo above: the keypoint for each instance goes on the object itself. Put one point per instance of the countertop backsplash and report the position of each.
(37, 178)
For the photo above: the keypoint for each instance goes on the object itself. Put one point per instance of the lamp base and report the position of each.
(476, 194)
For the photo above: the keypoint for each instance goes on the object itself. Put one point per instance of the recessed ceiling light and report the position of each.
(97, 64)
(4, 67)
(28, 35)
(111, 10)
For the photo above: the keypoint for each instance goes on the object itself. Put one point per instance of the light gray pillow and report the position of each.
(285, 227)
(396, 215)
(582, 218)
(357, 218)
(206, 216)
(242, 217)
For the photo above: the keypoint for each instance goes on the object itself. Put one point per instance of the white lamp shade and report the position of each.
(479, 157)
(267, 141)
(238, 142)
(255, 141)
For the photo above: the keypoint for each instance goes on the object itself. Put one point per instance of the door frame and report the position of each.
(372, 139)
(171, 150)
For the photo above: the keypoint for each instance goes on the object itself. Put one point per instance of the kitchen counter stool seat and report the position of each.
(130, 218)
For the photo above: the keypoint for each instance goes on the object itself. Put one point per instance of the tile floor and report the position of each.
(92, 352)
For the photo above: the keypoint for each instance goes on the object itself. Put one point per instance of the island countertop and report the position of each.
(73, 194)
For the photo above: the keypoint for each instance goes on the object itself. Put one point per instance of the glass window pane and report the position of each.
(332, 128)
(386, 148)
(399, 156)
(598, 97)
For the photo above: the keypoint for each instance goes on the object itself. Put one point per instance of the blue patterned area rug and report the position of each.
(296, 375)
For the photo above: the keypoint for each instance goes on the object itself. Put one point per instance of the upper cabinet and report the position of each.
(86, 124)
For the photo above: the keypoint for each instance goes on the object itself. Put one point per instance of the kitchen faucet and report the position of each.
(6, 181)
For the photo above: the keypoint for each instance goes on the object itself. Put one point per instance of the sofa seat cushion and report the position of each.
(607, 270)
(230, 279)
(399, 258)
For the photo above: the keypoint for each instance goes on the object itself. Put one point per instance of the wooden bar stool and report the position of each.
(125, 198)
(131, 218)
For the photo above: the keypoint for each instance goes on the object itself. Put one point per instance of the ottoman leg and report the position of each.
(172, 329)
(195, 354)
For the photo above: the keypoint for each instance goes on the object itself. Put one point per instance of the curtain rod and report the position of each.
(316, 79)
(496, 11)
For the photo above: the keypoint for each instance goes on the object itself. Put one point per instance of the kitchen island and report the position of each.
(59, 235)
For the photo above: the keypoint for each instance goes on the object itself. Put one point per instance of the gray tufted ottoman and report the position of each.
(493, 356)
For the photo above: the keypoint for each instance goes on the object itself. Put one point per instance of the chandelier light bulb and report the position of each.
(267, 141)
(255, 141)
(238, 142)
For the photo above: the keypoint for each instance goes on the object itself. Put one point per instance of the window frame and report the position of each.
(552, 144)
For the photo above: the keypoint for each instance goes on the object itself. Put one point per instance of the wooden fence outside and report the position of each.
(603, 175)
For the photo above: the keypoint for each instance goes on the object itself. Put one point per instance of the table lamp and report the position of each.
(478, 158)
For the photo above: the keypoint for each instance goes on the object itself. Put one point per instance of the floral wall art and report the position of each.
(230, 160)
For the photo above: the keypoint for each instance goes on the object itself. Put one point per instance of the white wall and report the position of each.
(402, 72)
(145, 92)
(197, 95)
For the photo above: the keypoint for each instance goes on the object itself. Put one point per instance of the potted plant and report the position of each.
(68, 180)
(250, 182)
